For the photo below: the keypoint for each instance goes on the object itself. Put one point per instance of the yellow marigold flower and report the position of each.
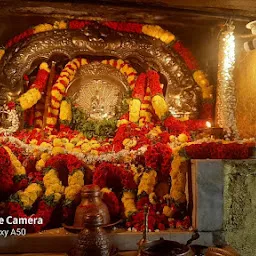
(160, 106)
(167, 37)
(79, 143)
(94, 152)
(1, 53)
(60, 24)
(45, 156)
(65, 111)
(77, 178)
(57, 187)
(57, 95)
(134, 110)
(84, 62)
(51, 120)
(72, 191)
(46, 145)
(57, 142)
(55, 104)
(32, 196)
(27, 202)
(119, 63)
(34, 142)
(74, 140)
(158, 32)
(44, 66)
(57, 197)
(34, 187)
(69, 146)
(57, 150)
(128, 195)
(18, 168)
(76, 61)
(167, 211)
(105, 190)
(136, 178)
(147, 182)
(129, 143)
(29, 98)
(86, 147)
(76, 150)
(146, 114)
(40, 164)
(121, 122)
(178, 196)
(152, 198)
(43, 28)
(39, 123)
(38, 114)
(183, 138)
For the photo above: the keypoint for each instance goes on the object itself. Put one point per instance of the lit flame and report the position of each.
(208, 124)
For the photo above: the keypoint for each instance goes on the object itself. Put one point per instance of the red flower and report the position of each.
(109, 175)
(175, 127)
(142, 202)
(154, 83)
(78, 24)
(22, 184)
(19, 37)
(124, 27)
(11, 105)
(186, 56)
(111, 200)
(140, 87)
(161, 226)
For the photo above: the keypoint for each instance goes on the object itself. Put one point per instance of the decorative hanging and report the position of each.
(226, 100)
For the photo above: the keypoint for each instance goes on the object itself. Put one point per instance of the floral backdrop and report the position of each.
(139, 157)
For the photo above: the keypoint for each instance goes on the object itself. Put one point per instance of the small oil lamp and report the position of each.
(213, 132)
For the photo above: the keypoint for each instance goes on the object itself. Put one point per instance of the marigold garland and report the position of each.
(138, 96)
(158, 101)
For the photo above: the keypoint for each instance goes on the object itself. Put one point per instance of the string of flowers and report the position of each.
(86, 158)
(125, 68)
(59, 89)
(107, 172)
(158, 102)
(34, 94)
(137, 98)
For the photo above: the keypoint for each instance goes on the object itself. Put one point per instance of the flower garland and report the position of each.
(6, 171)
(75, 178)
(146, 110)
(125, 68)
(150, 30)
(137, 97)
(111, 200)
(19, 170)
(34, 94)
(109, 175)
(59, 90)
(158, 101)
(86, 158)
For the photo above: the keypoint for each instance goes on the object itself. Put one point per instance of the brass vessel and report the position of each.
(90, 203)
(93, 239)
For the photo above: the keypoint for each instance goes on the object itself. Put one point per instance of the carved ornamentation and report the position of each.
(182, 94)
(99, 90)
